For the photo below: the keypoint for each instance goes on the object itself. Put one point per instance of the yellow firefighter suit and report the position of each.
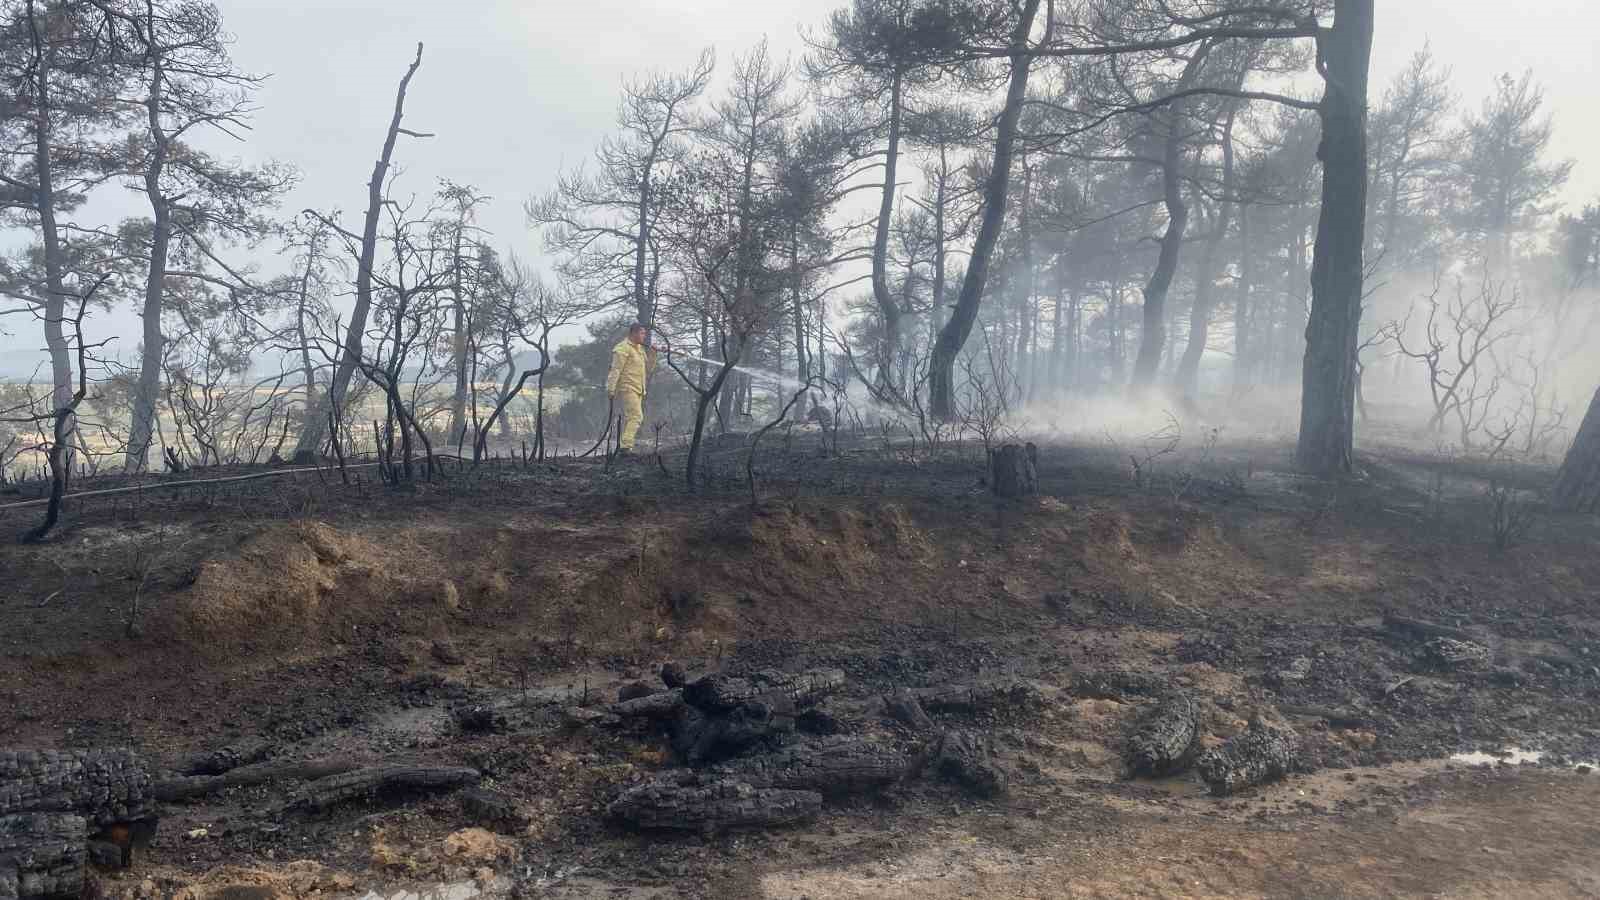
(630, 367)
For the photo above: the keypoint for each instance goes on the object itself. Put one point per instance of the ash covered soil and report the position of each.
(489, 619)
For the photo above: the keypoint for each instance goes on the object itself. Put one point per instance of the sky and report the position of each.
(515, 91)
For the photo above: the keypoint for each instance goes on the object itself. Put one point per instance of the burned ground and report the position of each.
(330, 621)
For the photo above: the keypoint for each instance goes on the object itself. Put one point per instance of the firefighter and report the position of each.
(632, 361)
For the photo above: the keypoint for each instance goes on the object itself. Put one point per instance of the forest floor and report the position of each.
(328, 620)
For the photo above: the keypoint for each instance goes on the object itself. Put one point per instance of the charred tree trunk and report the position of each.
(1167, 739)
(706, 397)
(55, 296)
(141, 430)
(1327, 402)
(1027, 312)
(1578, 486)
(1205, 279)
(1153, 338)
(728, 404)
(312, 435)
(802, 367)
(1242, 321)
(1058, 336)
(953, 336)
(1014, 471)
(308, 371)
(887, 306)
(1292, 334)
(1153, 335)
(59, 457)
(460, 342)
(940, 242)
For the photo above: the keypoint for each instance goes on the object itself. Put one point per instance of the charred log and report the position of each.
(834, 767)
(664, 705)
(712, 806)
(704, 737)
(1577, 487)
(633, 690)
(907, 710)
(1165, 742)
(379, 781)
(42, 855)
(673, 676)
(1260, 755)
(968, 759)
(104, 786)
(226, 759)
(723, 692)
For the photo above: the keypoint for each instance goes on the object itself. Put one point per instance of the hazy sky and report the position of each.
(514, 91)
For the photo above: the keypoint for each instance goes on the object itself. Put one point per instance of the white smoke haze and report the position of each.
(1478, 328)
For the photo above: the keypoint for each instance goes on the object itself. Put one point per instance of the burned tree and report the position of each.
(523, 312)
(306, 294)
(606, 224)
(407, 323)
(1577, 488)
(1505, 176)
(1328, 381)
(188, 86)
(941, 375)
(725, 231)
(1205, 288)
(1456, 348)
(471, 274)
(1170, 126)
(61, 91)
(349, 357)
(61, 421)
(879, 51)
